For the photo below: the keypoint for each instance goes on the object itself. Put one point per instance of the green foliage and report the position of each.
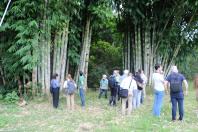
(11, 98)
(104, 57)
(1, 96)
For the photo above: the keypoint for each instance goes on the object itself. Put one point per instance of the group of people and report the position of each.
(134, 84)
(173, 83)
(69, 88)
(129, 89)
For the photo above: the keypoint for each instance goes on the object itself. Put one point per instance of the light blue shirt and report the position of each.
(103, 84)
(55, 83)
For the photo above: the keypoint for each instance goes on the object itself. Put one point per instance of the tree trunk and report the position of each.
(2, 75)
(85, 47)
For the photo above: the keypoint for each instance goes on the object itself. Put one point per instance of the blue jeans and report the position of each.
(158, 100)
(82, 96)
(174, 101)
(103, 91)
(136, 98)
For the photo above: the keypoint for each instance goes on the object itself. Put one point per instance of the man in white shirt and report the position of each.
(158, 85)
(130, 84)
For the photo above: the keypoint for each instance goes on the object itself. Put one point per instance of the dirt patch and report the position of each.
(86, 127)
(95, 111)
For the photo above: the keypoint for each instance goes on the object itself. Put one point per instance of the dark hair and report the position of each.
(26, 80)
(157, 66)
(81, 73)
(54, 76)
(137, 73)
(139, 70)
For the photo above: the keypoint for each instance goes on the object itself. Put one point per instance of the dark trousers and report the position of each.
(112, 100)
(118, 92)
(174, 101)
(103, 91)
(55, 95)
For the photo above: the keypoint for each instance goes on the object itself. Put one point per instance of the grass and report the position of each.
(38, 115)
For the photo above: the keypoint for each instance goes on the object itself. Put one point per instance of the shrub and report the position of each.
(11, 98)
(1, 96)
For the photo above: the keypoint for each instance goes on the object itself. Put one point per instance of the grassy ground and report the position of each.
(38, 115)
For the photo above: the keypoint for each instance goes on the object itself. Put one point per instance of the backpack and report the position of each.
(70, 87)
(112, 82)
(175, 84)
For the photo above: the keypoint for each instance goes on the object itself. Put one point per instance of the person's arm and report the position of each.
(75, 84)
(65, 85)
(167, 86)
(186, 86)
(107, 83)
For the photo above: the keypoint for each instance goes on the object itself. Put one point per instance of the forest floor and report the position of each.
(39, 115)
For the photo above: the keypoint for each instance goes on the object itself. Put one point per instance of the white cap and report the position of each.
(174, 69)
(104, 76)
(126, 72)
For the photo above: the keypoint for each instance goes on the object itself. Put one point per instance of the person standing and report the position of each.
(81, 82)
(144, 78)
(70, 87)
(138, 93)
(175, 81)
(118, 79)
(158, 86)
(125, 74)
(103, 86)
(54, 89)
(113, 88)
(129, 84)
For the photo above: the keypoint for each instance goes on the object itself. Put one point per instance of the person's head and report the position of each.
(114, 72)
(137, 73)
(140, 71)
(158, 68)
(174, 69)
(81, 73)
(55, 76)
(104, 76)
(126, 72)
(69, 77)
(130, 74)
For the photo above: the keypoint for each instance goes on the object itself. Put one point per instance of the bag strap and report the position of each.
(131, 82)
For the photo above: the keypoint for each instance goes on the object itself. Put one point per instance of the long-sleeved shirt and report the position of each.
(104, 84)
(129, 81)
(54, 83)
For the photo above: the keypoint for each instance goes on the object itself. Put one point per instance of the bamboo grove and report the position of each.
(39, 38)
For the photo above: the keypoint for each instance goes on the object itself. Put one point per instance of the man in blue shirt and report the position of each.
(175, 81)
(54, 89)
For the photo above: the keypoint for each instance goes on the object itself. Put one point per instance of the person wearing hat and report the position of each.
(175, 81)
(103, 86)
